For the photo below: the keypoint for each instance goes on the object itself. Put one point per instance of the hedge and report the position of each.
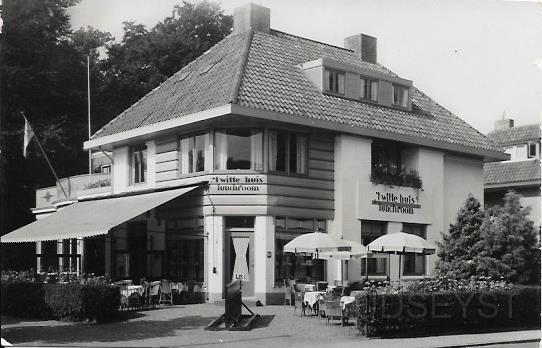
(383, 314)
(73, 302)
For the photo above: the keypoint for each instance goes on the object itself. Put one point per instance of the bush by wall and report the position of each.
(23, 299)
(382, 314)
(91, 301)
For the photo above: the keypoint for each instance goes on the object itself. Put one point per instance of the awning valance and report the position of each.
(91, 218)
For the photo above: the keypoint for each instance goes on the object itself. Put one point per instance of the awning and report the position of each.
(91, 218)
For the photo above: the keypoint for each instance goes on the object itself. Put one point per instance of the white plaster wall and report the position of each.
(534, 203)
(151, 164)
(214, 229)
(121, 169)
(430, 166)
(352, 167)
(264, 236)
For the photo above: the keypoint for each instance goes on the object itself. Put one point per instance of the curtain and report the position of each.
(256, 150)
(374, 90)
(340, 79)
(363, 91)
(404, 100)
(185, 145)
(301, 154)
(273, 150)
(240, 269)
(221, 150)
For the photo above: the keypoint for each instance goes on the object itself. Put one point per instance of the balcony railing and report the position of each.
(74, 186)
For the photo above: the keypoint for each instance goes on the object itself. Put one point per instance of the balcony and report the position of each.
(75, 186)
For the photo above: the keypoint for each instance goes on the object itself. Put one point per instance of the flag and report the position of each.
(28, 134)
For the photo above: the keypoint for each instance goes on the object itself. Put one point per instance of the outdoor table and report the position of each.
(311, 298)
(130, 289)
(346, 300)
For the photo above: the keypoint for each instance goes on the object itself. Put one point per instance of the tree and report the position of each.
(509, 247)
(457, 251)
(145, 58)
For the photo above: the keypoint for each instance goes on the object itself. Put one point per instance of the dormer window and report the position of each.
(533, 149)
(400, 96)
(334, 81)
(369, 89)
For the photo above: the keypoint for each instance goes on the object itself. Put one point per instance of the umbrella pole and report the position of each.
(400, 268)
(316, 268)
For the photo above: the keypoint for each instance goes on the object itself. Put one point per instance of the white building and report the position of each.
(264, 137)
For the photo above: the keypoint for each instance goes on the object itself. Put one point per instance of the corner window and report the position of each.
(400, 96)
(371, 230)
(334, 81)
(533, 149)
(192, 154)
(369, 89)
(239, 149)
(138, 164)
(414, 264)
(287, 152)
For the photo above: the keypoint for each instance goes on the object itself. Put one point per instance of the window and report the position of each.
(334, 81)
(106, 169)
(239, 149)
(369, 89)
(533, 149)
(371, 230)
(139, 164)
(386, 155)
(287, 152)
(414, 264)
(296, 266)
(185, 249)
(192, 154)
(400, 96)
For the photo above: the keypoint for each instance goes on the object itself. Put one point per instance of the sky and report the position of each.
(480, 59)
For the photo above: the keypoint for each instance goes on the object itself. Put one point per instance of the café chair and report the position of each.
(166, 294)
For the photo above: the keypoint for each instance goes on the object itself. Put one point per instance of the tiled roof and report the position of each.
(209, 81)
(515, 135)
(272, 80)
(511, 172)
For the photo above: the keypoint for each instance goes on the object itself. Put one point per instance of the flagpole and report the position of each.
(88, 109)
(46, 158)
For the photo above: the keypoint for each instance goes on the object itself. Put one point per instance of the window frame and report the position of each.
(403, 262)
(133, 150)
(288, 171)
(384, 229)
(326, 86)
(369, 82)
(206, 136)
(401, 95)
(238, 171)
(536, 149)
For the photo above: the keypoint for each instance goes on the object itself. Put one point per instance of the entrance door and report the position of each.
(239, 259)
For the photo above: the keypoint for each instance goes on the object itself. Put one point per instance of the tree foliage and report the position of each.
(500, 243)
(456, 252)
(44, 75)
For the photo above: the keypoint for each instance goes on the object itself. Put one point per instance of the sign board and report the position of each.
(233, 184)
(396, 203)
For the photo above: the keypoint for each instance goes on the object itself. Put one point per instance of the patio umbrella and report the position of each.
(354, 250)
(314, 243)
(401, 243)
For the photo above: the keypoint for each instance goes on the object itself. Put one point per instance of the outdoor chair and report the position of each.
(165, 292)
(321, 286)
(288, 292)
(154, 292)
(322, 308)
(334, 310)
(299, 301)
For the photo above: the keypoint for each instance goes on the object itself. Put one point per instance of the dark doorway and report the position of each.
(137, 249)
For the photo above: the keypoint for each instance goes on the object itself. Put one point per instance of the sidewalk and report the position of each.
(452, 340)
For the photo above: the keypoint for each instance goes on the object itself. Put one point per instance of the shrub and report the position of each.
(381, 314)
(93, 300)
(100, 302)
(23, 299)
(381, 174)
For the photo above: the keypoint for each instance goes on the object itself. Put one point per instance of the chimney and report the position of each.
(251, 16)
(504, 123)
(363, 45)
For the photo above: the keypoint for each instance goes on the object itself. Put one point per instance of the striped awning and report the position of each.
(91, 218)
